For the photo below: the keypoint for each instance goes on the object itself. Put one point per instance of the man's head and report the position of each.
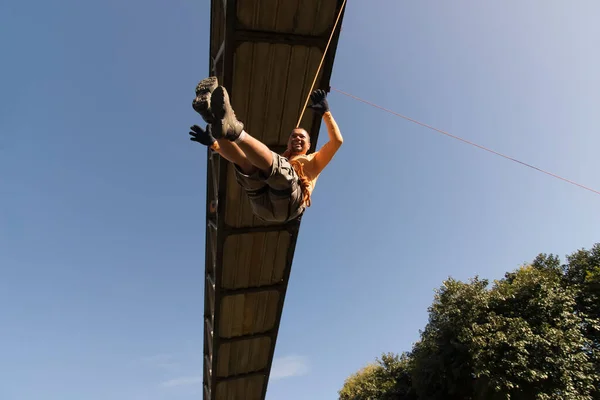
(298, 142)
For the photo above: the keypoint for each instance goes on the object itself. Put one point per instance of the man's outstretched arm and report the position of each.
(204, 137)
(335, 136)
(326, 153)
(226, 149)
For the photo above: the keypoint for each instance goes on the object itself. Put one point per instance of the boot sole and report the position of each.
(207, 85)
(202, 102)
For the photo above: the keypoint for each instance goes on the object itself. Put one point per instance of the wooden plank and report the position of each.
(325, 18)
(305, 19)
(266, 268)
(267, 104)
(237, 316)
(238, 210)
(286, 16)
(217, 26)
(296, 78)
(236, 199)
(277, 92)
(229, 259)
(259, 89)
(266, 273)
(246, 389)
(242, 78)
(232, 313)
(225, 321)
(244, 266)
(252, 302)
(250, 259)
(267, 15)
(223, 360)
(270, 312)
(256, 260)
(247, 11)
(279, 262)
(254, 351)
(312, 17)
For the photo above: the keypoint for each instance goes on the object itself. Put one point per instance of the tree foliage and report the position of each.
(386, 379)
(535, 334)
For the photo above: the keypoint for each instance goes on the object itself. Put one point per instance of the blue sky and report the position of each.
(102, 194)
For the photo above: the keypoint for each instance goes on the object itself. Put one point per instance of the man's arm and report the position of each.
(204, 137)
(326, 153)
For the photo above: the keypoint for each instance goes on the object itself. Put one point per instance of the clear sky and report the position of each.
(102, 195)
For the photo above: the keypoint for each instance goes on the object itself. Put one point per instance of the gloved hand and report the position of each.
(319, 102)
(202, 136)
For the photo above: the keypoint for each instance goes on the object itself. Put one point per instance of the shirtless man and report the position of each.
(278, 186)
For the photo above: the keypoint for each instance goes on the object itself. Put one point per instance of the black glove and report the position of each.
(319, 102)
(202, 136)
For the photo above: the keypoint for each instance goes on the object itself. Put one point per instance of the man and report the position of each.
(278, 186)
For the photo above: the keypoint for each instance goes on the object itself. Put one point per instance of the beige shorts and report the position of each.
(276, 197)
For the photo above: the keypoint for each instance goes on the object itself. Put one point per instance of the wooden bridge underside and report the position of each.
(266, 53)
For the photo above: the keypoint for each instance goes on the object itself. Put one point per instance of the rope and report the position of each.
(466, 141)
(321, 63)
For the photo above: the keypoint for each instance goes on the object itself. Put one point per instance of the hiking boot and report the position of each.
(226, 125)
(201, 103)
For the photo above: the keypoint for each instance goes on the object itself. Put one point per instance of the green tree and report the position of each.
(386, 379)
(531, 346)
(582, 272)
(532, 335)
(442, 360)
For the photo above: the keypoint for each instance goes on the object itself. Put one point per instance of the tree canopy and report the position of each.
(535, 334)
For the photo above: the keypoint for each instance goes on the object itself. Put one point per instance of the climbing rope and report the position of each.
(321, 63)
(466, 141)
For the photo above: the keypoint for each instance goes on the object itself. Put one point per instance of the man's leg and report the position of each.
(249, 154)
(256, 152)
(234, 154)
(228, 127)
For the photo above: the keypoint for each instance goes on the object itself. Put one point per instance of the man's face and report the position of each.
(299, 141)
